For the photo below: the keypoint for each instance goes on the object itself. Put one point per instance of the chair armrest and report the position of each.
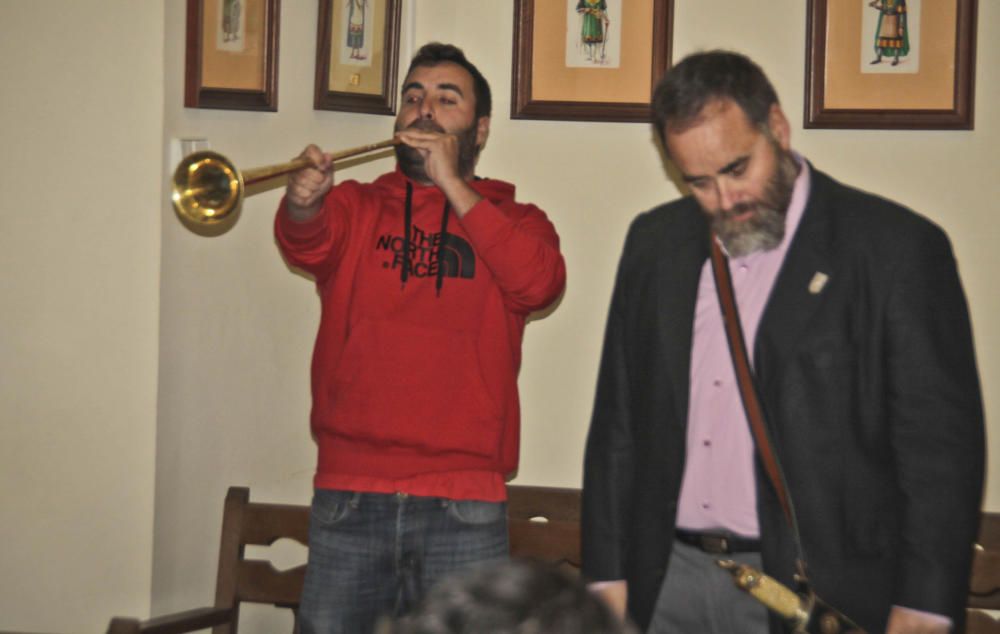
(177, 623)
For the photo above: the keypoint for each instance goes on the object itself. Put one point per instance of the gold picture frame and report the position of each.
(232, 54)
(576, 77)
(891, 64)
(357, 56)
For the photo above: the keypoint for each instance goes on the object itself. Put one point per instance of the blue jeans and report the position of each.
(374, 554)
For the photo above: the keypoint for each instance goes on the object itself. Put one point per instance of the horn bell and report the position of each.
(207, 188)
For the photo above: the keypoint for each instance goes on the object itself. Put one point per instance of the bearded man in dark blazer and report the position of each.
(862, 353)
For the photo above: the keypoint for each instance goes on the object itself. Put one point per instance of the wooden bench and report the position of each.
(543, 523)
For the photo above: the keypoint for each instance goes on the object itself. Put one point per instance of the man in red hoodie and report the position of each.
(425, 277)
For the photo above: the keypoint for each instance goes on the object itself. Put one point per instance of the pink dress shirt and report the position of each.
(718, 491)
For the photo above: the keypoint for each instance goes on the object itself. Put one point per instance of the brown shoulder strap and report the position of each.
(820, 617)
(744, 376)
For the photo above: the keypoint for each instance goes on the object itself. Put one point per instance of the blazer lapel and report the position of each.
(679, 271)
(798, 290)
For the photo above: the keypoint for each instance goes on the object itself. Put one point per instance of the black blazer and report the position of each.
(871, 392)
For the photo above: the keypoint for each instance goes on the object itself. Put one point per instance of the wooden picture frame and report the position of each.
(572, 78)
(846, 88)
(232, 54)
(358, 78)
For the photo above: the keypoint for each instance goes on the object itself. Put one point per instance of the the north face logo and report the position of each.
(455, 256)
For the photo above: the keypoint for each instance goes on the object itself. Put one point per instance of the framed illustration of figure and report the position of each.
(589, 60)
(232, 54)
(357, 55)
(890, 64)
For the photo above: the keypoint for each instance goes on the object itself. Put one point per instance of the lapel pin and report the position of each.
(817, 282)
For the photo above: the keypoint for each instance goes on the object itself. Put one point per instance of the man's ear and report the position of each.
(482, 131)
(777, 123)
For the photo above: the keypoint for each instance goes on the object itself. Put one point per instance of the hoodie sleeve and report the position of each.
(315, 246)
(521, 248)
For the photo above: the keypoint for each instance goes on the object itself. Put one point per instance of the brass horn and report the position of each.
(207, 187)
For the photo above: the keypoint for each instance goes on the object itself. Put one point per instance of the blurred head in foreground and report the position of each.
(511, 597)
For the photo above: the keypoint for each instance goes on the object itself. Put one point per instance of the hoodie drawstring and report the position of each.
(408, 227)
(440, 246)
(404, 273)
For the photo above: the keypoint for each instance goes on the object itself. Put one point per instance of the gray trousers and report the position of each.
(699, 597)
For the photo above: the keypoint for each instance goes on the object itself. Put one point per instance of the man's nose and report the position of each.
(426, 110)
(726, 195)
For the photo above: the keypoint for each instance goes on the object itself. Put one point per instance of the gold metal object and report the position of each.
(208, 187)
(771, 592)
(804, 612)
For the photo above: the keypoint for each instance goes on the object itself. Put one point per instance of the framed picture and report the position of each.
(589, 60)
(232, 54)
(357, 55)
(890, 64)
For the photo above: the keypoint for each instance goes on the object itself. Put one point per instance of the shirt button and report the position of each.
(717, 383)
(706, 443)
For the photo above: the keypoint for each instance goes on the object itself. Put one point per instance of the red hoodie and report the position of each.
(414, 375)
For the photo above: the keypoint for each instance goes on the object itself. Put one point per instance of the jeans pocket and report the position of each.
(477, 512)
(330, 507)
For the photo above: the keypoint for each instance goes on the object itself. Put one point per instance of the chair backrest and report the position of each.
(246, 523)
(544, 523)
(239, 579)
(984, 587)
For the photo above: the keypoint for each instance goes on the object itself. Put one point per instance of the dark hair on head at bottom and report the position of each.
(511, 597)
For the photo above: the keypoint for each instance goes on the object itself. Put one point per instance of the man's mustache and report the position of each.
(737, 210)
(426, 125)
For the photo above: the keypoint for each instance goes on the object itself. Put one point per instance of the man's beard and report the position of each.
(411, 161)
(765, 228)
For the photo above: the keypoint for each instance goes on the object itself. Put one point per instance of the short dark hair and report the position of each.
(702, 78)
(518, 596)
(436, 53)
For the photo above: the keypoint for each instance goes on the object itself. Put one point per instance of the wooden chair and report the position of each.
(543, 523)
(984, 587)
(239, 579)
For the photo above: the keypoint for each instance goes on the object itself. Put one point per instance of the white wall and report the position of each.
(96, 89)
(81, 116)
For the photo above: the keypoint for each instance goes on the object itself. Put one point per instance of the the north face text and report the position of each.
(455, 255)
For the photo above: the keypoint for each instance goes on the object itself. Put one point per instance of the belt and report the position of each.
(718, 543)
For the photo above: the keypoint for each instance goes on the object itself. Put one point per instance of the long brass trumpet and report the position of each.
(207, 187)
